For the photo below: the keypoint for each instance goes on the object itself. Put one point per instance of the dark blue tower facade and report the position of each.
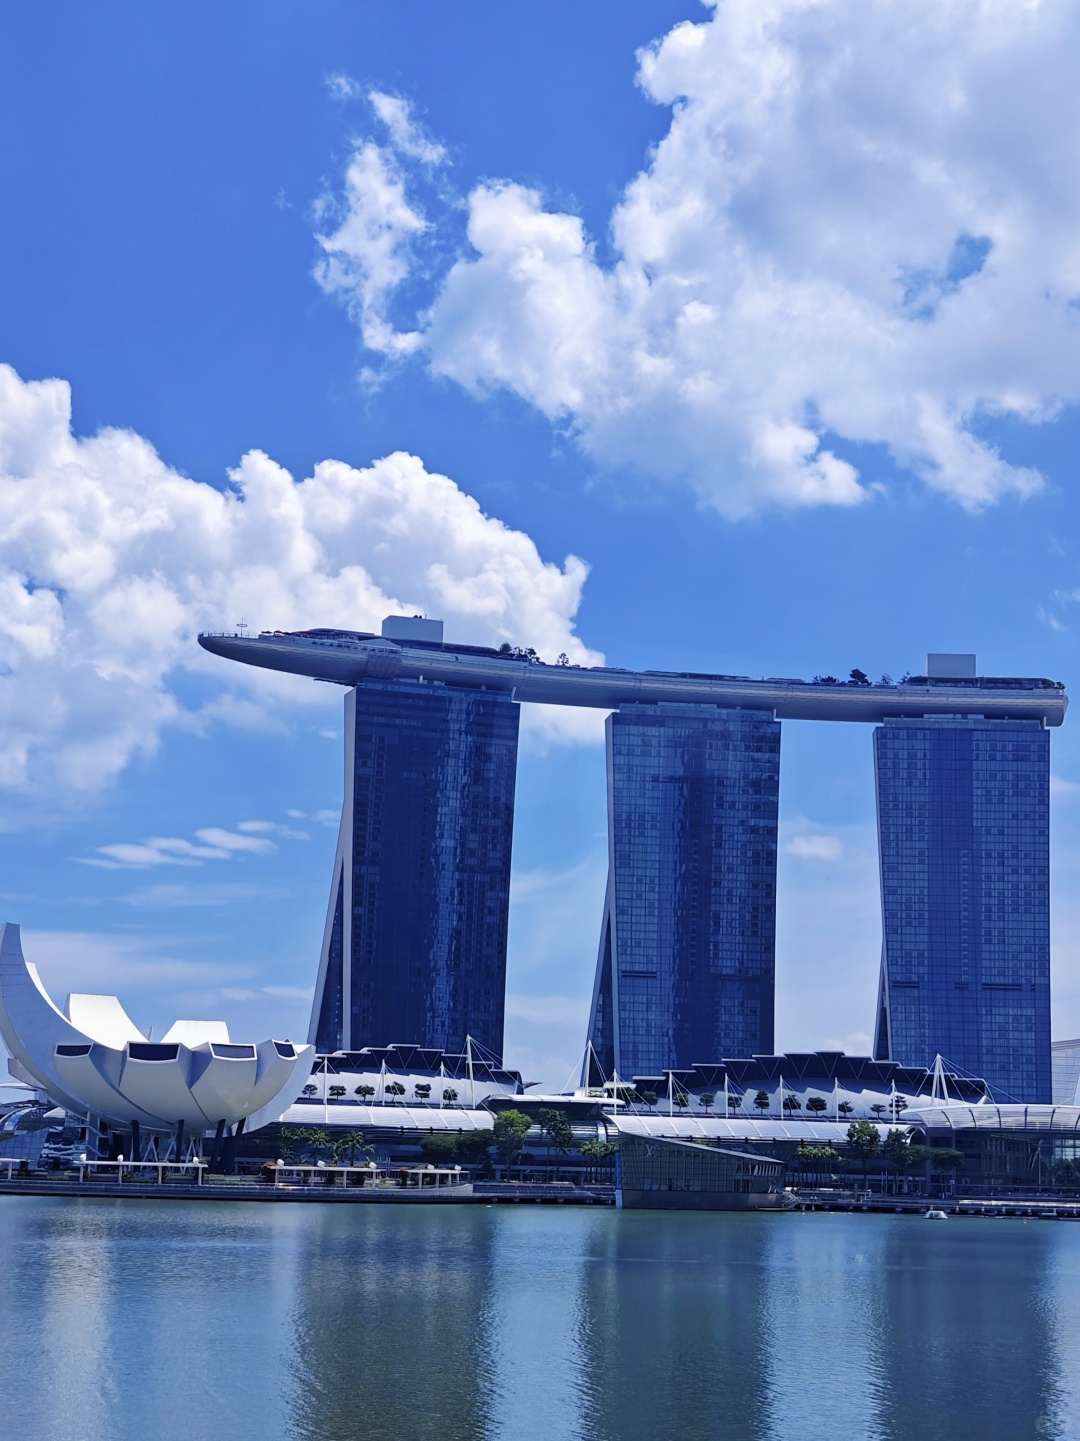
(414, 950)
(964, 839)
(687, 953)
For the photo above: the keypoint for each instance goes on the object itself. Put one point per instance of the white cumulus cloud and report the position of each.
(861, 227)
(111, 562)
(368, 251)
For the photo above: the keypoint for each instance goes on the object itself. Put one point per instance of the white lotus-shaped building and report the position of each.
(94, 1059)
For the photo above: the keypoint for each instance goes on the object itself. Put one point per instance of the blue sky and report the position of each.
(697, 338)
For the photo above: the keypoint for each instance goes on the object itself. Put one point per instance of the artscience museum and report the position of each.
(166, 1095)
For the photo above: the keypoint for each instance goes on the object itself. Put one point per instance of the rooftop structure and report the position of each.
(348, 657)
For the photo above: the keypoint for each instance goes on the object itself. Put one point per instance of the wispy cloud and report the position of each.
(217, 844)
(527, 886)
(272, 828)
(1049, 619)
(280, 993)
(406, 134)
(320, 818)
(855, 1043)
(169, 897)
(76, 960)
(342, 87)
(549, 1010)
(816, 848)
(231, 842)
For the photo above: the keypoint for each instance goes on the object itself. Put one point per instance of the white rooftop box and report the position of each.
(413, 627)
(945, 666)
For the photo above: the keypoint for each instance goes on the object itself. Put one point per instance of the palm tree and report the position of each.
(294, 1141)
(347, 1145)
(318, 1140)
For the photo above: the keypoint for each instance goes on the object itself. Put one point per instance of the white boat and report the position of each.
(937, 1215)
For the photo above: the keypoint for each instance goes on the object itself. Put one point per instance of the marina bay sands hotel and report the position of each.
(415, 941)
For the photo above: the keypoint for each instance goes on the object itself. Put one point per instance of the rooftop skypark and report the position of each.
(413, 649)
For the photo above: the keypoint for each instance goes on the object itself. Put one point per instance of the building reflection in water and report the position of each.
(672, 1328)
(824, 1307)
(969, 1345)
(391, 1331)
(123, 1320)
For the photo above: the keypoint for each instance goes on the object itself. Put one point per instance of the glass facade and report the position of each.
(964, 841)
(686, 963)
(415, 943)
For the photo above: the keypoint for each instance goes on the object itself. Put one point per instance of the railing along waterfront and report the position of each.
(189, 1172)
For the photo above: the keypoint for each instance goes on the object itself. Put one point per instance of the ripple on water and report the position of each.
(129, 1320)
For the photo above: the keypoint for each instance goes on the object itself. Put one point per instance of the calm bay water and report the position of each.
(123, 1321)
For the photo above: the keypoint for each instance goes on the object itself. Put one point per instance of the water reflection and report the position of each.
(824, 1308)
(121, 1318)
(391, 1329)
(672, 1329)
(123, 1321)
(967, 1346)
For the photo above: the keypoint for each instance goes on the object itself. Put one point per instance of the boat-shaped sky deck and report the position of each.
(348, 657)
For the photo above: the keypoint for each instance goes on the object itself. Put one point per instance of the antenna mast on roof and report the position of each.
(939, 1079)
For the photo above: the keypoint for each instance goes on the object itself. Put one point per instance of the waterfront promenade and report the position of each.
(315, 1189)
(320, 1186)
